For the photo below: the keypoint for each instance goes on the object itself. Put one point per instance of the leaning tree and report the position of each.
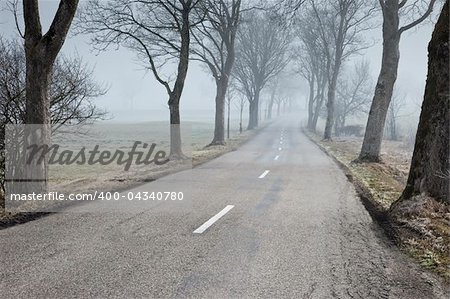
(430, 166)
(159, 32)
(399, 16)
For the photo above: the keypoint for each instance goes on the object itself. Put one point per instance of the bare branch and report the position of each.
(420, 19)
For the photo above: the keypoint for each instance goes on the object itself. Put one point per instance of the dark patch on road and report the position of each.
(269, 198)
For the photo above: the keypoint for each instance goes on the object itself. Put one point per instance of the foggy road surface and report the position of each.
(274, 219)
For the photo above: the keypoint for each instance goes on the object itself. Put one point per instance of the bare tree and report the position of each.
(12, 83)
(71, 90)
(342, 23)
(159, 32)
(352, 98)
(395, 107)
(262, 47)
(71, 93)
(312, 62)
(273, 87)
(41, 51)
(229, 100)
(280, 91)
(240, 105)
(281, 102)
(430, 173)
(414, 12)
(215, 46)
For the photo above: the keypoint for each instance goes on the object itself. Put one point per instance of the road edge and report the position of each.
(376, 210)
(378, 213)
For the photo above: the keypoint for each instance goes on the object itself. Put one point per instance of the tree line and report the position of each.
(246, 44)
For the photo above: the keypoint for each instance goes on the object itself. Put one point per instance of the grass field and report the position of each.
(112, 137)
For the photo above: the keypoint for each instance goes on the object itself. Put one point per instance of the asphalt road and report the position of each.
(291, 226)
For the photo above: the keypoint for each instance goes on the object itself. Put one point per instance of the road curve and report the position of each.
(273, 219)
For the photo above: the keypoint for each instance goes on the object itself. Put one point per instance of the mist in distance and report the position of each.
(135, 96)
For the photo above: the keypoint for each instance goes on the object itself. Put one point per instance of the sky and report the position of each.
(134, 95)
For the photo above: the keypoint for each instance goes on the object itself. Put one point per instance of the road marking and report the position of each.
(276, 158)
(280, 149)
(211, 221)
(264, 174)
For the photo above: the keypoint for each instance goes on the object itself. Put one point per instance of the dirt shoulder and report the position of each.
(423, 230)
(117, 182)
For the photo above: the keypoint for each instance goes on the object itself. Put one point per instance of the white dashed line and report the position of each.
(211, 221)
(280, 149)
(264, 174)
(276, 158)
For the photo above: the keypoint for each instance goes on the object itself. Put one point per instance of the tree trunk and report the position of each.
(270, 108)
(331, 96)
(222, 88)
(254, 112)
(311, 103)
(370, 151)
(37, 116)
(430, 172)
(241, 112)
(176, 151)
(253, 115)
(330, 109)
(334, 77)
(41, 51)
(38, 75)
(319, 102)
(228, 119)
(219, 130)
(393, 129)
(339, 125)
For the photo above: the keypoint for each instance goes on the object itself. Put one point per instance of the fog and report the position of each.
(134, 94)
